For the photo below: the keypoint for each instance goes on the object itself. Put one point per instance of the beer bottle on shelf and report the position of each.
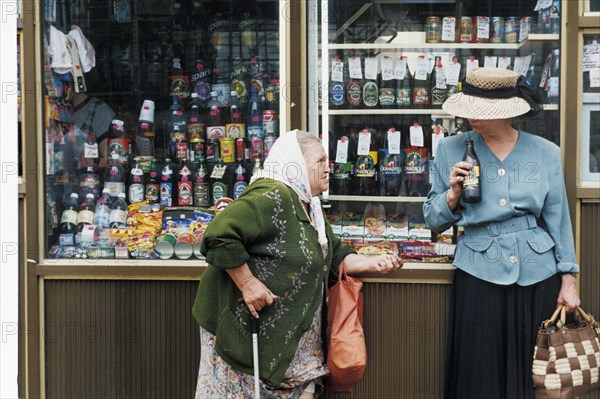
(221, 85)
(257, 71)
(219, 186)
(176, 131)
(340, 182)
(200, 81)
(166, 184)
(145, 134)
(254, 115)
(218, 29)
(365, 173)
(272, 95)
(453, 83)
(472, 183)
(387, 83)
(439, 90)
(184, 185)
(248, 35)
(240, 179)
(195, 124)
(118, 140)
(390, 167)
(118, 212)
(153, 184)
(237, 119)
(213, 151)
(102, 216)
(86, 212)
(201, 185)
(404, 92)
(421, 84)
(89, 182)
(337, 91)
(415, 163)
(215, 128)
(239, 80)
(198, 24)
(114, 177)
(354, 89)
(179, 83)
(68, 219)
(137, 190)
(370, 92)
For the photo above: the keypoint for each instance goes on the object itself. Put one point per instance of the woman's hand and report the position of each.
(254, 292)
(568, 293)
(356, 264)
(457, 177)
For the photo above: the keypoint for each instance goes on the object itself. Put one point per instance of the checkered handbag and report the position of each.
(566, 359)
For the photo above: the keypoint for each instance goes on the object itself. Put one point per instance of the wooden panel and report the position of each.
(405, 329)
(120, 339)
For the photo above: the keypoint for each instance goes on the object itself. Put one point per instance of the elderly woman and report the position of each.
(270, 255)
(516, 259)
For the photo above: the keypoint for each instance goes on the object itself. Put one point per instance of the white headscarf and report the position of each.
(285, 163)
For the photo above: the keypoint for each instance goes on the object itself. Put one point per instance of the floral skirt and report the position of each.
(218, 380)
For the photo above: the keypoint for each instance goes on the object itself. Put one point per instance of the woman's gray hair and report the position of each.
(306, 141)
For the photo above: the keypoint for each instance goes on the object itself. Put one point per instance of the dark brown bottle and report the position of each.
(472, 183)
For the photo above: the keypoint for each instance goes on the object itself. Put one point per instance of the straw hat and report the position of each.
(493, 93)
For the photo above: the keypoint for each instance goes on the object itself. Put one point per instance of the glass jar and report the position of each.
(433, 29)
(465, 30)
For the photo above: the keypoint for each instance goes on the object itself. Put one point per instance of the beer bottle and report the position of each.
(353, 87)
(137, 190)
(195, 124)
(176, 131)
(179, 83)
(114, 177)
(337, 91)
(341, 172)
(153, 184)
(145, 134)
(118, 140)
(240, 180)
(472, 183)
(219, 187)
(201, 185)
(68, 219)
(166, 184)
(89, 182)
(387, 84)
(365, 174)
(221, 85)
(184, 185)
(86, 213)
(390, 166)
(438, 88)
(236, 126)
(254, 115)
(404, 92)
(215, 125)
(370, 92)
(421, 87)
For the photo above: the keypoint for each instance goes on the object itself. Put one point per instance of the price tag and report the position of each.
(440, 78)
(400, 69)
(504, 62)
(522, 64)
(595, 78)
(393, 137)
(523, 29)
(591, 57)
(542, 5)
(387, 68)
(218, 171)
(90, 150)
(337, 71)
(448, 29)
(483, 27)
(490, 61)
(341, 155)
(354, 67)
(371, 64)
(453, 72)
(436, 137)
(416, 136)
(364, 143)
(472, 63)
(422, 68)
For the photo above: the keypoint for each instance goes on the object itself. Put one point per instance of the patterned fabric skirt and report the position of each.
(218, 380)
(491, 336)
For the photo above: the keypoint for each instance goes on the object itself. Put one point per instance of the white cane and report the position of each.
(254, 328)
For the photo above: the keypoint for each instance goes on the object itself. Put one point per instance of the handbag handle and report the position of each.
(562, 311)
(342, 271)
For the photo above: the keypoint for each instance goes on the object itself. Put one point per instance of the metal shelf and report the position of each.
(375, 198)
(407, 111)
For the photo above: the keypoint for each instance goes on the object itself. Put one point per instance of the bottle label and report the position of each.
(184, 191)
(69, 216)
(337, 93)
(114, 188)
(471, 182)
(196, 131)
(201, 194)
(386, 96)
(215, 132)
(218, 190)
(166, 193)
(241, 88)
(118, 146)
(102, 217)
(236, 130)
(86, 217)
(89, 183)
(118, 216)
(238, 188)
(438, 96)
(152, 192)
(181, 147)
(203, 90)
(414, 163)
(391, 165)
(136, 193)
(223, 91)
(370, 94)
(218, 172)
(179, 86)
(421, 96)
(354, 93)
(403, 97)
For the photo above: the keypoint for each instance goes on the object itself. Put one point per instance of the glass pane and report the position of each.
(145, 98)
(590, 132)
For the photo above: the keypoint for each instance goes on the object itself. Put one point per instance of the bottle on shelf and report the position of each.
(218, 29)
(176, 131)
(137, 189)
(236, 126)
(184, 185)
(200, 81)
(145, 134)
(219, 184)
(198, 24)
(166, 184)
(420, 98)
(472, 183)
(179, 83)
(195, 123)
(438, 87)
(86, 212)
(215, 126)
(404, 92)
(415, 163)
(153, 184)
(240, 179)
(365, 172)
(390, 164)
(254, 115)
(354, 90)
(554, 78)
(114, 177)
(102, 216)
(340, 182)
(257, 71)
(239, 80)
(337, 89)
(453, 83)
(118, 140)
(118, 212)
(68, 219)
(272, 95)
(89, 182)
(202, 185)
(387, 84)
(221, 85)
(370, 92)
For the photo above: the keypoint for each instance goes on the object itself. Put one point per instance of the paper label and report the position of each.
(422, 68)
(354, 68)
(393, 137)
(91, 150)
(483, 27)
(595, 78)
(503, 62)
(218, 172)
(448, 29)
(400, 69)
(337, 71)
(364, 143)
(440, 78)
(591, 57)
(341, 154)
(523, 29)
(472, 63)
(416, 136)
(522, 64)
(371, 64)
(387, 68)
(453, 73)
(542, 5)
(490, 61)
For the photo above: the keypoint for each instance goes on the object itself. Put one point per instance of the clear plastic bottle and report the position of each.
(137, 190)
(118, 213)
(114, 177)
(86, 212)
(102, 216)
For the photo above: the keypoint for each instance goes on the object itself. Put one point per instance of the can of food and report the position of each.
(270, 122)
(184, 247)
(197, 244)
(497, 30)
(511, 30)
(165, 245)
(433, 29)
(228, 150)
(465, 30)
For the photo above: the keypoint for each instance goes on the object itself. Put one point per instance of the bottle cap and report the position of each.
(233, 93)
(74, 195)
(213, 93)
(147, 112)
(90, 195)
(194, 95)
(121, 195)
(118, 125)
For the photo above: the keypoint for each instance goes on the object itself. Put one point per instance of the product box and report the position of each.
(353, 226)
(335, 220)
(417, 228)
(397, 227)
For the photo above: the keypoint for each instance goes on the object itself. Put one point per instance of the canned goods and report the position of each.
(433, 29)
(240, 148)
(497, 30)
(270, 122)
(184, 247)
(511, 30)
(197, 245)
(227, 150)
(235, 130)
(465, 30)
(165, 245)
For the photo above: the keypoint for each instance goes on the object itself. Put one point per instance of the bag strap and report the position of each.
(559, 322)
(586, 316)
(552, 320)
(342, 272)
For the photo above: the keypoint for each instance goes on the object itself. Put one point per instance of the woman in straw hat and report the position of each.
(516, 259)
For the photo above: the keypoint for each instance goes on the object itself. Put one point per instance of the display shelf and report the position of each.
(550, 107)
(392, 111)
(375, 198)
(543, 36)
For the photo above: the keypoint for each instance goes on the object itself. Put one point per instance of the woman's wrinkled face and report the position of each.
(318, 169)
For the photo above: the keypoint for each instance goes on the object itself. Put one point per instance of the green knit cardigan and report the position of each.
(268, 228)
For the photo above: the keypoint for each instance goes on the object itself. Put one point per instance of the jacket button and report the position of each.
(513, 259)
(503, 202)
(501, 172)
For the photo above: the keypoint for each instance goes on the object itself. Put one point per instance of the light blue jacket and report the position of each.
(521, 230)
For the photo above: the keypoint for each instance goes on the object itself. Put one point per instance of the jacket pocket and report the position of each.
(479, 243)
(474, 250)
(541, 243)
(233, 341)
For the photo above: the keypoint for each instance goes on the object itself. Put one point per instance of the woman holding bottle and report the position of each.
(515, 261)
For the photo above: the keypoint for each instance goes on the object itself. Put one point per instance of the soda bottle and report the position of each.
(89, 182)
(215, 125)
(86, 212)
(370, 92)
(145, 134)
(257, 70)
(118, 213)
(239, 80)
(438, 88)
(240, 180)
(195, 124)
(201, 185)
(166, 184)
(221, 85)
(136, 183)
(118, 141)
(472, 183)
(237, 118)
(337, 90)
(254, 115)
(184, 185)
(404, 90)
(387, 84)
(114, 177)
(68, 219)
(176, 131)
(102, 216)
(200, 81)
(153, 184)
(248, 35)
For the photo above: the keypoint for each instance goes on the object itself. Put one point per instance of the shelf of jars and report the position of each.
(435, 113)
(374, 198)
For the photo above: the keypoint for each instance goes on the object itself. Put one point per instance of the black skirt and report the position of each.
(491, 336)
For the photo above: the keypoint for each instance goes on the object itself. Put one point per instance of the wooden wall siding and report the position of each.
(590, 264)
(405, 329)
(120, 339)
